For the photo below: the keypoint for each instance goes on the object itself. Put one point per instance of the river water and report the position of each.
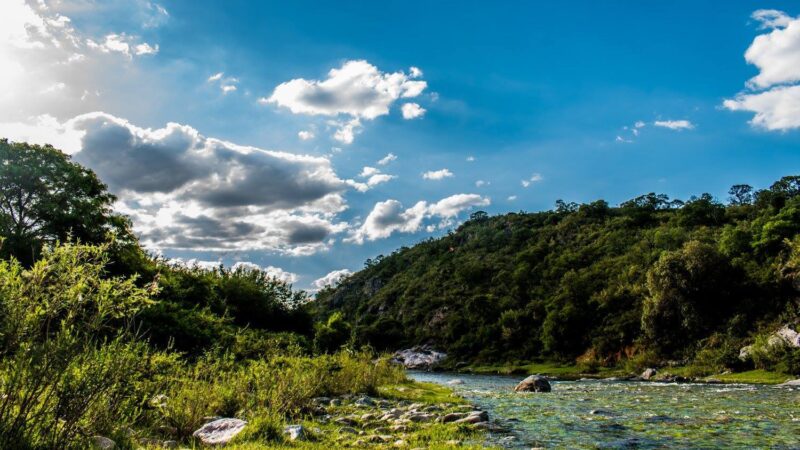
(608, 414)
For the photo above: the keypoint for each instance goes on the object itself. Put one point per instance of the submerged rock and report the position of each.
(419, 358)
(534, 383)
(455, 381)
(220, 431)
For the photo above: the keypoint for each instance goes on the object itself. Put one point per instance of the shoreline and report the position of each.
(670, 374)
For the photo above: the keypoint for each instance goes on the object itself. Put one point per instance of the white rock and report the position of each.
(220, 431)
(295, 432)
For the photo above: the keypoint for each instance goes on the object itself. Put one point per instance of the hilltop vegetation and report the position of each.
(650, 280)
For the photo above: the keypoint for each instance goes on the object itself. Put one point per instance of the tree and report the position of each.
(689, 289)
(740, 194)
(45, 197)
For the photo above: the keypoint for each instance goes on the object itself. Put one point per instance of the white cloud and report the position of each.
(272, 271)
(226, 84)
(123, 44)
(481, 183)
(412, 111)
(187, 191)
(145, 49)
(374, 177)
(387, 159)
(357, 89)
(511, 198)
(332, 278)
(414, 72)
(437, 174)
(639, 124)
(389, 217)
(305, 135)
(677, 125)
(776, 109)
(535, 178)
(772, 95)
(470, 159)
(618, 139)
(347, 131)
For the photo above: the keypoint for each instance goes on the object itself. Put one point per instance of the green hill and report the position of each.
(651, 278)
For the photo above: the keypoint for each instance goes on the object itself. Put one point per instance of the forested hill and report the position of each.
(653, 276)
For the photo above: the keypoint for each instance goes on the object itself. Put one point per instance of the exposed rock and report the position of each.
(346, 421)
(220, 431)
(791, 383)
(648, 373)
(455, 382)
(534, 383)
(745, 352)
(170, 444)
(295, 432)
(786, 335)
(348, 430)
(103, 443)
(474, 417)
(364, 402)
(420, 357)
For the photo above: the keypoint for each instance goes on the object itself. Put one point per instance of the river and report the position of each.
(609, 414)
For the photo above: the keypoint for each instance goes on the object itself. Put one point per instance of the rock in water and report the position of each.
(455, 381)
(220, 431)
(791, 383)
(648, 373)
(419, 358)
(534, 383)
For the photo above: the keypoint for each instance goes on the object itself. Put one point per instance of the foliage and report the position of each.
(654, 276)
(45, 197)
(66, 368)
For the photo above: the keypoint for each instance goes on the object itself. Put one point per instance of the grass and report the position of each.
(551, 369)
(420, 392)
(573, 371)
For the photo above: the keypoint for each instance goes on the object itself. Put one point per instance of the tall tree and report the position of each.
(45, 197)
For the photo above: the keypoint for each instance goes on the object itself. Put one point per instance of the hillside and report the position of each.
(651, 278)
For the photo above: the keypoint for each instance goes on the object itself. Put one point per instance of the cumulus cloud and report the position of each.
(357, 90)
(773, 95)
(535, 178)
(674, 124)
(272, 271)
(332, 278)
(305, 135)
(187, 191)
(373, 176)
(481, 183)
(437, 174)
(387, 159)
(389, 217)
(470, 159)
(412, 111)
(123, 44)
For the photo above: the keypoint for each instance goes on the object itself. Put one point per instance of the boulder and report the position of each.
(295, 432)
(786, 335)
(455, 382)
(534, 383)
(419, 358)
(791, 383)
(103, 443)
(648, 373)
(220, 431)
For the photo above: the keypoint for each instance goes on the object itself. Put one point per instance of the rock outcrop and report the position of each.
(648, 373)
(534, 383)
(220, 431)
(419, 358)
(786, 335)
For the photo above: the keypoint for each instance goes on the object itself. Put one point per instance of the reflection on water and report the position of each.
(604, 414)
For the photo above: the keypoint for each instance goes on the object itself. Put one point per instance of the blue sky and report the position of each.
(509, 105)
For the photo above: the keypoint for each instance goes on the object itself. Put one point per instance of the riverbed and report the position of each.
(619, 414)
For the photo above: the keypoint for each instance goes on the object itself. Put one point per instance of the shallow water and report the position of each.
(605, 414)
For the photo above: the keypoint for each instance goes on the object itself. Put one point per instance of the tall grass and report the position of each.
(71, 367)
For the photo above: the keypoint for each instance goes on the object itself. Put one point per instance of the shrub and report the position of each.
(68, 366)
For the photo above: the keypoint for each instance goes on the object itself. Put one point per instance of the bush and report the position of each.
(68, 366)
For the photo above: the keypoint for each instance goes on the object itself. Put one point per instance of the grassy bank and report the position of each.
(576, 371)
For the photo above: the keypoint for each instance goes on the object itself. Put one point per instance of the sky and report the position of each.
(306, 137)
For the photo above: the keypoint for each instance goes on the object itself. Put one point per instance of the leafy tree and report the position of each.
(45, 197)
(331, 335)
(688, 293)
(740, 194)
